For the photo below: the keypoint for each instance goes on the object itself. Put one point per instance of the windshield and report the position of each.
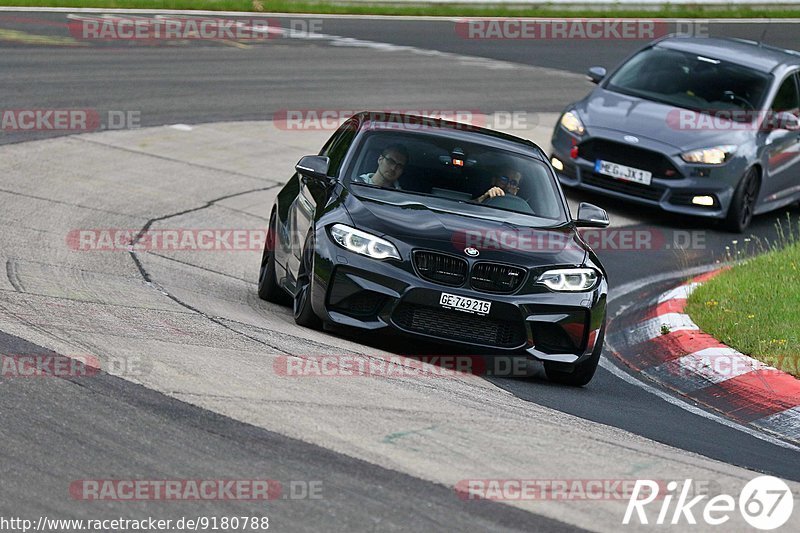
(443, 172)
(690, 81)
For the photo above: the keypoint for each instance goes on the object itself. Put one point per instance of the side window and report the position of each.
(338, 145)
(787, 98)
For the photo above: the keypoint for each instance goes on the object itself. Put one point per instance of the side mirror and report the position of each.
(314, 166)
(596, 74)
(591, 216)
(785, 121)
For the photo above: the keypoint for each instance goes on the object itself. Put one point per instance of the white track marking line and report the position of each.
(783, 422)
(711, 365)
(652, 328)
(679, 293)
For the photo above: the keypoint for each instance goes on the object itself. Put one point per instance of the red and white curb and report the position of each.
(669, 348)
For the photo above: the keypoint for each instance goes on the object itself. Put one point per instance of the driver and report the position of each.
(506, 182)
(391, 163)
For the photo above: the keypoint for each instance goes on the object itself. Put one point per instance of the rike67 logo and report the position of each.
(765, 503)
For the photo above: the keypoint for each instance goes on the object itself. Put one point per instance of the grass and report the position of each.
(755, 306)
(447, 10)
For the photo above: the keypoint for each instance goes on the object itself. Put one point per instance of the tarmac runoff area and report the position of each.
(194, 320)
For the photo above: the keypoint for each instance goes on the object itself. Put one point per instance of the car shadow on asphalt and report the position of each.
(495, 366)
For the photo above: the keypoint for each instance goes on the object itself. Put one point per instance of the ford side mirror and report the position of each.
(596, 74)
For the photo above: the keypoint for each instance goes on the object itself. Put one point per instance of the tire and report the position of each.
(268, 288)
(583, 372)
(740, 213)
(303, 312)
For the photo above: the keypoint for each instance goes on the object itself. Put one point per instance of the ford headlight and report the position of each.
(570, 122)
(363, 243)
(716, 155)
(569, 279)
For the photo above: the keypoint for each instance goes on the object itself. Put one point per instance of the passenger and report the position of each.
(391, 163)
(506, 182)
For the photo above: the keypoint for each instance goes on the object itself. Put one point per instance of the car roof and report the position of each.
(449, 129)
(750, 54)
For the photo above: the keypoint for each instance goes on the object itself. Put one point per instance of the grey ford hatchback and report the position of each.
(696, 126)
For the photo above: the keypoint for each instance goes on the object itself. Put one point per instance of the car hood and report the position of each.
(612, 114)
(401, 216)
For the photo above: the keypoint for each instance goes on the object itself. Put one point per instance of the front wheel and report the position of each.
(303, 312)
(583, 372)
(740, 213)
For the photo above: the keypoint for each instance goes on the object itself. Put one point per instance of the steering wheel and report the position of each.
(735, 97)
(509, 201)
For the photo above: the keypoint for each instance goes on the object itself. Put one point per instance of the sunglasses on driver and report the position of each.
(505, 180)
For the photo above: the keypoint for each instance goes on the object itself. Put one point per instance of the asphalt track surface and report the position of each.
(212, 332)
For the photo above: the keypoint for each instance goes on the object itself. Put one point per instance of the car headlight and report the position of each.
(363, 243)
(569, 279)
(570, 122)
(716, 155)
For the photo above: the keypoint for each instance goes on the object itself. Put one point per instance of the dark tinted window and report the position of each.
(445, 172)
(690, 81)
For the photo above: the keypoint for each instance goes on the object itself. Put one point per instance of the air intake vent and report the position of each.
(458, 326)
(493, 277)
(441, 268)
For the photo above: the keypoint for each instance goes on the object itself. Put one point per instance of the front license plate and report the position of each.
(615, 170)
(468, 305)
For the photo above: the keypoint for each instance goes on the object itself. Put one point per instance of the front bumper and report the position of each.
(673, 195)
(383, 296)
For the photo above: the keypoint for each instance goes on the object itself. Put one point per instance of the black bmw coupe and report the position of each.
(442, 231)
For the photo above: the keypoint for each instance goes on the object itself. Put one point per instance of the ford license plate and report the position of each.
(622, 172)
